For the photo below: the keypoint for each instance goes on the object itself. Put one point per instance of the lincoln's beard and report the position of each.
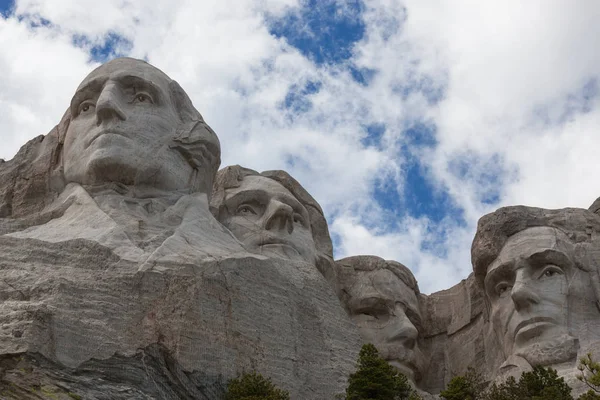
(552, 351)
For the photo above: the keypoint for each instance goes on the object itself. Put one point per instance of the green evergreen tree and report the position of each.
(254, 386)
(589, 395)
(544, 384)
(539, 384)
(508, 390)
(468, 387)
(375, 379)
(590, 375)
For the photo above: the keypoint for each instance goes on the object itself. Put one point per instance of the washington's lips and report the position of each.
(105, 132)
(536, 324)
(274, 240)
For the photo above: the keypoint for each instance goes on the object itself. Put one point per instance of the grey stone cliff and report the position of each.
(118, 283)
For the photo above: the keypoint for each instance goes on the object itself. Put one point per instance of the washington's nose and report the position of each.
(279, 216)
(523, 295)
(405, 333)
(109, 105)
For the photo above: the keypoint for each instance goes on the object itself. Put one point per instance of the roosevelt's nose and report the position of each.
(279, 216)
(404, 332)
(523, 294)
(110, 105)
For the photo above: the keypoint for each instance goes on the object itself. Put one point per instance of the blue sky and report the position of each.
(326, 32)
(406, 122)
(5, 6)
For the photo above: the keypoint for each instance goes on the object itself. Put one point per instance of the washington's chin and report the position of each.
(281, 250)
(277, 250)
(112, 165)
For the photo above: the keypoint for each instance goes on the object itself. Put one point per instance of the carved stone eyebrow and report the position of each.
(139, 82)
(252, 195)
(549, 256)
(536, 259)
(96, 84)
(263, 197)
(503, 270)
(93, 86)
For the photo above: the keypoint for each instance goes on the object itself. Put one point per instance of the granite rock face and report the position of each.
(131, 268)
(116, 280)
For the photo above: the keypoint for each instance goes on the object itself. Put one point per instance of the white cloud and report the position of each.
(506, 73)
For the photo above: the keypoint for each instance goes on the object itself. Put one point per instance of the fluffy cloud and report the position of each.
(509, 90)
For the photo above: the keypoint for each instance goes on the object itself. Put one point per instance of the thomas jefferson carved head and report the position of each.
(130, 123)
(381, 298)
(271, 214)
(539, 270)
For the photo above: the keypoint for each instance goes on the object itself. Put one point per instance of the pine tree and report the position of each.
(254, 386)
(589, 395)
(375, 379)
(544, 384)
(468, 387)
(590, 375)
(539, 384)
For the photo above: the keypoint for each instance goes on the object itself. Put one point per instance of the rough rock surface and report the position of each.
(76, 301)
(116, 282)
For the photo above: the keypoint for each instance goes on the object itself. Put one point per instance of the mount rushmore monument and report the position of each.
(133, 268)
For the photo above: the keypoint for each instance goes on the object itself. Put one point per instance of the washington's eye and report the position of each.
(502, 289)
(143, 98)
(85, 107)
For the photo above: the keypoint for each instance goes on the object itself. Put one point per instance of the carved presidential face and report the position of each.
(268, 219)
(123, 121)
(527, 286)
(386, 312)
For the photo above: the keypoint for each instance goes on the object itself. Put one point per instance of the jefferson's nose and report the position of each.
(109, 105)
(523, 295)
(279, 216)
(404, 332)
